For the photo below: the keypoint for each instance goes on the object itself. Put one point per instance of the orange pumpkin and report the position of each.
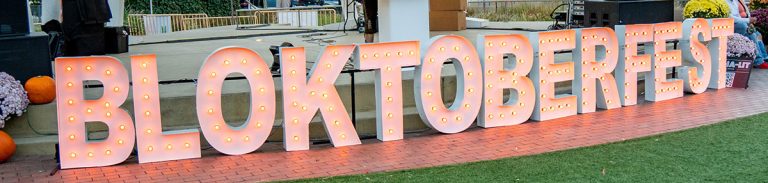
(41, 89)
(7, 147)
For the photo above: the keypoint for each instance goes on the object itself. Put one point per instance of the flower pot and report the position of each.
(738, 71)
(7, 147)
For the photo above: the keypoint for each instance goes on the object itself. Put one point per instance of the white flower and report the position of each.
(13, 98)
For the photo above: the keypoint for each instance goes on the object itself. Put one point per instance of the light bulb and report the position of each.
(169, 147)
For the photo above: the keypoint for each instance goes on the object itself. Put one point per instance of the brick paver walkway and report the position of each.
(423, 151)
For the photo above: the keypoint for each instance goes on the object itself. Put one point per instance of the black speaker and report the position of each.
(116, 40)
(14, 19)
(27, 57)
(600, 13)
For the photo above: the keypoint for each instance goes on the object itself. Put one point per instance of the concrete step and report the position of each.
(365, 126)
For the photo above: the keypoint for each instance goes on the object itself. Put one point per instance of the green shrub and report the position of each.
(210, 7)
(531, 11)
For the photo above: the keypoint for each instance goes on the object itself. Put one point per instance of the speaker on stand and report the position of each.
(609, 13)
(22, 54)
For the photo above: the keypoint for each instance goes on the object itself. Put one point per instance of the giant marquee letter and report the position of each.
(697, 71)
(154, 144)
(630, 64)
(657, 86)
(250, 135)
(596, 44)
(76, 150)
(469, 96)
(721, 29)
(389, 82)
(549, 106)
(519, 107)
(302, 98)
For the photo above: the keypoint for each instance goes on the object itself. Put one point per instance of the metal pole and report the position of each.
(352, 88)
(151, 11)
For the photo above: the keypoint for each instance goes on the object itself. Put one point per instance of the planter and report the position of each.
(7, 147)
(738, 71)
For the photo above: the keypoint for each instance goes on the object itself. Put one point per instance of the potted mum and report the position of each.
(741, 55)
(706, 9)
(762, 22)
(13, 102)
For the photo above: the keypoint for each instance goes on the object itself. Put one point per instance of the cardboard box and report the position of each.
(447, 20)
(448, 5)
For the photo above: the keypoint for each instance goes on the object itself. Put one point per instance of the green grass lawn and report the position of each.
(733, 151)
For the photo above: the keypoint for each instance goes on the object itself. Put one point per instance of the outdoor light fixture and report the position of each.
(697, 74)
(524, 66)
(630, 63)
(389, 83)
(308, 91)
(146, 103)
(513, 76)
(427, 89)
(253, 133)
(721, 29)
(549, 106)
(599, 54)
(657, 86)
(76, 150)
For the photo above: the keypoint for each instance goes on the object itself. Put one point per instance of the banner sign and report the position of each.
(604, 72)
(738, 72)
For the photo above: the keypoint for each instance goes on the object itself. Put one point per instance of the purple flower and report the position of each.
(739, 45)
(762, 19)
(13, 98)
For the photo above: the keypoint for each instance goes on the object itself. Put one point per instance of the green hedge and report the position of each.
(210, 7)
